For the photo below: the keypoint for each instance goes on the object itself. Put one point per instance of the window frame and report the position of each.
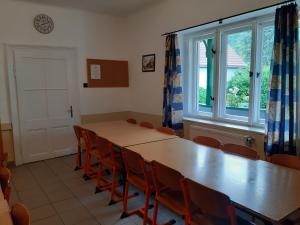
(219, 104)
(195, 68)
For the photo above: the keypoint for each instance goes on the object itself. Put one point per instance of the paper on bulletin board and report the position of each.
(95, 72)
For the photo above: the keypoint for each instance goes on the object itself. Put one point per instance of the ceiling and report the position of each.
(113, 7)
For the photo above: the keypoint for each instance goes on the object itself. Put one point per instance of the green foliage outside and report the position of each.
(237, 92)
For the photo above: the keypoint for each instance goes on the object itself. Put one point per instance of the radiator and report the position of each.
(222, 135)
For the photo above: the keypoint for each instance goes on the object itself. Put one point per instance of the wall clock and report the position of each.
(43, 23)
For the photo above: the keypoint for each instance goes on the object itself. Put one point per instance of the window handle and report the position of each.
(212, 98)
(250, 74)
(257, 74)
(214, 51)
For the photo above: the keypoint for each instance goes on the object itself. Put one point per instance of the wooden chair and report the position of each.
(208, 141)
(168, 190)
(205, 206)
(78, 133)
(89, 139)
(138, 174)
(131, 120)
(289, 161)
(20, 214)
(108, 160)
(147, 125)
(240, 150)
(166, 130)
(5, 176)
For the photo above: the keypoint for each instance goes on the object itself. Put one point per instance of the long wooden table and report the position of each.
(5, 218)
(269, 191)
(122, 133)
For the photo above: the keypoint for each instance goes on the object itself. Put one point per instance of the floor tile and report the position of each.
(75, 216)
(105, 214)
(88, 222)
(66, 205)
(54, 220)
(33, 198)
(42, 212)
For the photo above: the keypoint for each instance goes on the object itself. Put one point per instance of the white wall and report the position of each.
(94, 36)
(146, 28)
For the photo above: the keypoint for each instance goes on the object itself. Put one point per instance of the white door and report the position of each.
(46, 102)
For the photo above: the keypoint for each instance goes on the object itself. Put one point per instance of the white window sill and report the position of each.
(257, 130)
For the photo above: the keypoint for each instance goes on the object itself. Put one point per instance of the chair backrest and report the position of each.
(207, 201)
(208, 141)
(5, 176)
(135, 164)
(78, 132)
(240, 150)
(131, 120)
(166, 130)
(165, 177)
(105, 148)
(20, 214)
(90, 139)
(147, 125)
(289, 161)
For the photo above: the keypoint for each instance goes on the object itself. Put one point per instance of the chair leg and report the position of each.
(87, 168)
(113, 187)
(78, 161)
(125, 200)
(155, 211)
(146, 207)
(99, 178)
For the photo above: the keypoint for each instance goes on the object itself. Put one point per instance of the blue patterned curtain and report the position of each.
(281, 120)
(172, 103)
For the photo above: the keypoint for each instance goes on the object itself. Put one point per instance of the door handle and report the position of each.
(70, 111)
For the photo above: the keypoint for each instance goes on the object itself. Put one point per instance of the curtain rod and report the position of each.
(228, 17)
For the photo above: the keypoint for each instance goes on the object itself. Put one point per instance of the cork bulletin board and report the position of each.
(107, 73)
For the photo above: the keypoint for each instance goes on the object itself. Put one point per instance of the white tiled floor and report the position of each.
(57, 195)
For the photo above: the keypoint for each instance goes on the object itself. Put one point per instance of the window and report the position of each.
(205, 74)
(229, 72)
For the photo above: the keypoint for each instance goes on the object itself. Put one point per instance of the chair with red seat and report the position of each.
(206, 206)
(147, 125)
(108, 160)
(208, 141)
(289, 161)
(138, 174)
(89, 138)
(131, 120)
(168, 190)
(78, 133)
(5, 176)
(20, 214)
(240, 150)
(166, 130)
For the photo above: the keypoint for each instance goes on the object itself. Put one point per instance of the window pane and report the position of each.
(238, 62)
(205, 74)
(265, 71)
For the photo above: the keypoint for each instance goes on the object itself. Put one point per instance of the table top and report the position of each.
(124, 134)
(5, 217)
(267, 190)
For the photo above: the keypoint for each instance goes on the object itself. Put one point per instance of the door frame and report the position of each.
(12, 82)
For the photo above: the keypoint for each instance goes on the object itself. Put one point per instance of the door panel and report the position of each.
(34, 104)
(56, 74)
(35, 141)
(58, 104)
(33, 76)
(44, 90)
